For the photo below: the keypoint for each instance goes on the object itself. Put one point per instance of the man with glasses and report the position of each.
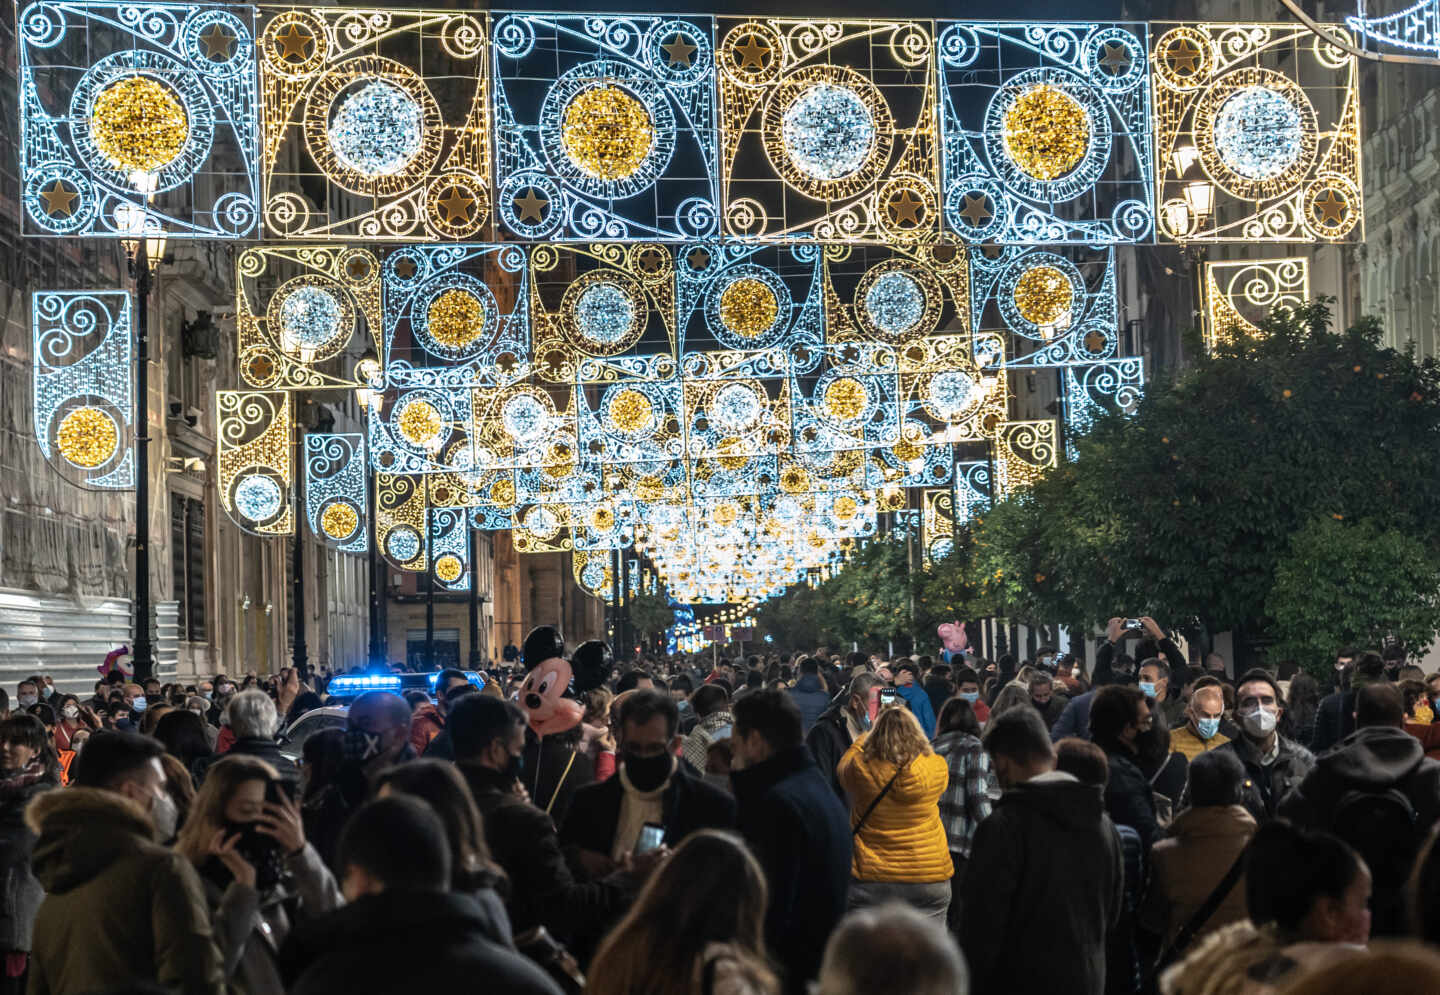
(1273, 763)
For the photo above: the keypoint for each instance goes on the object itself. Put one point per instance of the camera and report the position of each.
(1134, 625)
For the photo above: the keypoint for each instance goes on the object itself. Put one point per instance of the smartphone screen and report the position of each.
(652, 834)
(888, 697)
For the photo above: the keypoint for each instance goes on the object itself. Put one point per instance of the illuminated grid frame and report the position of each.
(82, 358)
(401, 507)
(1314, 193)
(334, 481)
(312, 57)
(937, 524)
(416, 276)
(1092, 332)
(666, 64)
(940, 272)
(1416, 28)
(450, 546)
(1105, 197)
(269, 360)
(253, 441)
(764, 64)
(1024, 452)
(1091, 390)
(202, 55)
(1240, 293)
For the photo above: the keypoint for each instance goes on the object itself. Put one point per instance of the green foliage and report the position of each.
(650, 614)
(1351, 584)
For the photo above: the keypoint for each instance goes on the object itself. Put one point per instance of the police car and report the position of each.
(344, 689)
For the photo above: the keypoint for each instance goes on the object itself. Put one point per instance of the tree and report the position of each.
(650, 614)
(1351, 584)
(1186, 510)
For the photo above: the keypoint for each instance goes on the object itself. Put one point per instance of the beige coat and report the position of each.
(1185, 868)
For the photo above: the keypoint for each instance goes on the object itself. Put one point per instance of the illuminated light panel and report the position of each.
(1043, 296)
(336, 502)
(356, 144)
(605, 127)
(310, 316)
(256, 459)
(138, 115)
(82, 385)
(1090, 391)
(339, 521)
(1046, 131)
(895, 303)
(1239, 294)
(843, 114)
(1260, 123)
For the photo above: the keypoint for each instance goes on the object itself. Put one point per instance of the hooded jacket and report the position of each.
(811, 698)
(119, 907)
(1046, 863)
(903, 839)
(398, 943)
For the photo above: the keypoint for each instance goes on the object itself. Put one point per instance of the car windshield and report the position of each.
(308, 725)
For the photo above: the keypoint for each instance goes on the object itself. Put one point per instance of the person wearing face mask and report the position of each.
(246, 840)
(377, 735)
(488, 735)
(967, 688)
(224, 691)
(651, 785)
(1045, 863)
(847, 719)
(26, 694)
(1119, 716)
(1201, 730)
(72, 718)
(121, 910)
(1274, 764)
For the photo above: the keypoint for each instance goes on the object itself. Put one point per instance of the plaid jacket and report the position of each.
(967, 799)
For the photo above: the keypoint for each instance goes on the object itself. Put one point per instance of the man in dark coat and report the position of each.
(489, 740)
(650, 785)
(1335, 717)
(809, 693)
(1046, 863)
(1377, 791)
(1119, 714)
(797, 828)
(395, 872)
(840, 725)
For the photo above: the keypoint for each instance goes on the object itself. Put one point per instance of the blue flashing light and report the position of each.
(354, 684)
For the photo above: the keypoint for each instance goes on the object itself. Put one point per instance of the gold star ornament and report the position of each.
(906, 208)
(975, 211)
(58, 199)
(531, 206)
(679, 52)
(218, 43)
(293, 42)
(456, 206)
(753, 54)
(1331, 210)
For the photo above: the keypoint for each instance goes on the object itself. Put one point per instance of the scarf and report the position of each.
(12, 781)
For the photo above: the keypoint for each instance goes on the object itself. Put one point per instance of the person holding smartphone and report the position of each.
(245, 837)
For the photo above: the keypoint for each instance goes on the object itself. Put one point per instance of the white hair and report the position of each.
(892, 947)
(252, 715)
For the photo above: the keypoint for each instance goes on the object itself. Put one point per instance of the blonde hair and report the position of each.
(897, 737)
(207, 813)
(597, 706)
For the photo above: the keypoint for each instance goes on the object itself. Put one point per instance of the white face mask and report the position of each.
(1260, 722)
(70, 712)
(165, 815)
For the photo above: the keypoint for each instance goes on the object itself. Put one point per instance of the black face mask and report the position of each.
(514, 767)
(648, 773)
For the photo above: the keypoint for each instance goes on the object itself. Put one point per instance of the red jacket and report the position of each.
(425, 725)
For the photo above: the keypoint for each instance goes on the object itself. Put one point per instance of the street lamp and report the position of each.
(369, 397)
(145, 249)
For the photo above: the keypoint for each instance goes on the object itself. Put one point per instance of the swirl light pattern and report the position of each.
(1118, 385)
(605, 127)
(138, 114)
(335, 500)
(255, 453)
(842, 112)
(360, 91)
(82, 385)
(1239, 295)
(1046, 131)
(1263, 119)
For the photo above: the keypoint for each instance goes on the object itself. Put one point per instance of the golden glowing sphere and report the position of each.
(748, 307)
(138, 125)
(845, 399)
(731, 454)
(725, 514)
(1043, 295)
(907, 451)
(502, 493)
(1046, 132)
(602, 519)
(631, 411)
(339, 520)
(87, 437)
(420, 423)
(607, 133)
(649, 488)
(449, 568)
(794, 480)
(846, 507)
(456, 318)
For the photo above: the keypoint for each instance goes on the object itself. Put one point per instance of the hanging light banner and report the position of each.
(335, 500)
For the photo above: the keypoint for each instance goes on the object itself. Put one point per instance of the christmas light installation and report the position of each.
(748, 298)
(843, 114)
(255, 456)
(83, 393)
(1117, 385)
(1059, 315)
(401, 504)
(335, 499)
(1256, 127)
(301, 312)
(604, 126)
(357, 90)
(137, 107)
(1415, 29)
(895, 295)
(450, 546)
(1046, 133)
(1240, 294)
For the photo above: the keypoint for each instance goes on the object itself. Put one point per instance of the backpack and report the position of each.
(1381, 827)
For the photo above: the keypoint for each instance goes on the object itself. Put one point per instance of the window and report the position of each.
(187, 566)
(447, 649)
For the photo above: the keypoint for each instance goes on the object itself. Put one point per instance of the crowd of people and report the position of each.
(828, 823)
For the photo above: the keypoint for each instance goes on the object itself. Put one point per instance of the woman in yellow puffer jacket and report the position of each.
(900, 852)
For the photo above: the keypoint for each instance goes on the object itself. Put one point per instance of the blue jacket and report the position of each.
(919, 701)
(1075, 720)
(810, 697)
